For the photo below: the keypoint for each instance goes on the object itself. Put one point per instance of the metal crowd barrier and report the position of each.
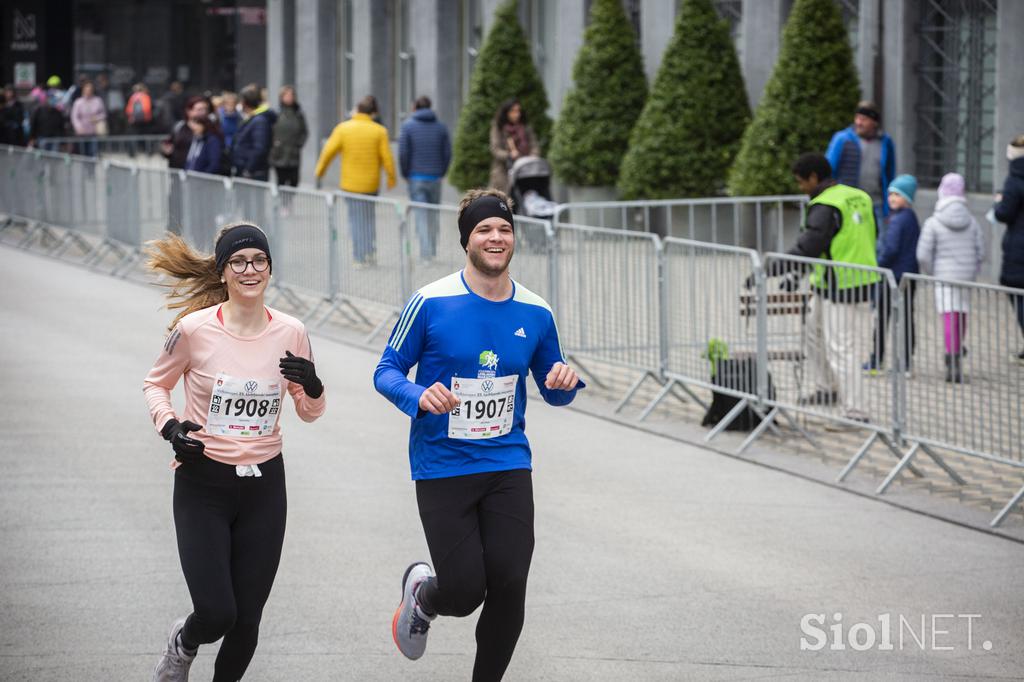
(607, 293)
(714, 336)
(304, 262)
(965, 393)
(103, 145)
(818, 339)
(57, 190)
(687, 314)
(767, 223)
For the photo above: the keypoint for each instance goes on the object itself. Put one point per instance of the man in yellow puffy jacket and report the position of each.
(364, 148)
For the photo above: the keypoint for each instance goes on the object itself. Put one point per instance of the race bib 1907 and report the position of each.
(486, 407)
(243, 408)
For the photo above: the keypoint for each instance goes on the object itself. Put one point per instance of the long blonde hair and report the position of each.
(197, 282)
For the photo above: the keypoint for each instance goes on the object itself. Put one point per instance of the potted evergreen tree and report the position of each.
(609, 89)
(690, 128)
(504, 69)
(689, 131)
(812, 93)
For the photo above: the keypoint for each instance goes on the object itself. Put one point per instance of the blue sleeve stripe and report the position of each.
(404, 316)
(558, 338)
(400, 334)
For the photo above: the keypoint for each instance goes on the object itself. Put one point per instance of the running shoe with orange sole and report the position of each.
(410, 625)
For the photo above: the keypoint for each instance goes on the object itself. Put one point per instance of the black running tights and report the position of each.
(479, 530)
(230, 530)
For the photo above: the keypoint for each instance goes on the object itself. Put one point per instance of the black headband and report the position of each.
(870, 113)
(482, 208)
(237, 238)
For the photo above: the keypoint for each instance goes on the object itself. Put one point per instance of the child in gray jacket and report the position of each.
(951, 248)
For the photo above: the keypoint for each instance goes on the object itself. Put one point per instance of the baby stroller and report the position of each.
(529, 180)
(530, 183)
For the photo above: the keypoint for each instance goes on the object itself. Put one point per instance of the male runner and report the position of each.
(474, 335)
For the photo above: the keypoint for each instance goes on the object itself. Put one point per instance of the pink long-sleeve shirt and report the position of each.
(86, 112)
(204, 352)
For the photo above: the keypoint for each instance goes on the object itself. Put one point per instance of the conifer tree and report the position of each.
(504, 69)
(609, 89)
(812, 93)
(688, 134)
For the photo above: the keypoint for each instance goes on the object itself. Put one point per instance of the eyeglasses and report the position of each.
(259, 264)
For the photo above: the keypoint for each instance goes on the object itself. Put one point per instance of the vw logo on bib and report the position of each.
(487, 386)
(251, 386)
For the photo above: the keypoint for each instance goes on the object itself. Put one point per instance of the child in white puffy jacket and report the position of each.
(951, 248)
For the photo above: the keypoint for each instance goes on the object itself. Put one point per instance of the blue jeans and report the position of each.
(426, 192)
(87, 148)
(362, 225)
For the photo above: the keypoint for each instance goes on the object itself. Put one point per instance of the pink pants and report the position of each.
(955, 326)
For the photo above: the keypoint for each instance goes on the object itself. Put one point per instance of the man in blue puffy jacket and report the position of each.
(250, 147)
(864, 157)
(424, 152)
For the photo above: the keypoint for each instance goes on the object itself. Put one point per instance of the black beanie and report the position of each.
(870, 110)
(481, 208)
(240, 237)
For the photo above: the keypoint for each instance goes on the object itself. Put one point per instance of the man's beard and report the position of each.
(477, 259)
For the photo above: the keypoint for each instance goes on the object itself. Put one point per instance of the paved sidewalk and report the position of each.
(654, 561)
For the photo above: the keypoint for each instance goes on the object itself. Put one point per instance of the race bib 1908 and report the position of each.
(486, 407)
(243, 408)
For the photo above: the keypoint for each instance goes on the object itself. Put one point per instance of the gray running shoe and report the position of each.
(174, 662)
(410, 625)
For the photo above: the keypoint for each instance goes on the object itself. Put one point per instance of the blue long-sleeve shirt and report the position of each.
(450, 332)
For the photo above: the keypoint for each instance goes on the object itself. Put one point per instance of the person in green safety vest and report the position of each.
(839, 226)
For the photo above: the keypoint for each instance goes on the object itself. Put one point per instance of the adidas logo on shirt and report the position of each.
(521, 333)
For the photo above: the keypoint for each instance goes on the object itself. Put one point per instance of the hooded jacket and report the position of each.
(1011, 211)
(951, 247)
(365, 150)
(897, 249)
(424, 148)
(290, 134)
(250, 147)
(204, 153)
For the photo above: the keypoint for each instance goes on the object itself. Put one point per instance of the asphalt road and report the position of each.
(654, 560)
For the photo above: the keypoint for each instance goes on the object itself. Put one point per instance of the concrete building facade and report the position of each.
(946, 73)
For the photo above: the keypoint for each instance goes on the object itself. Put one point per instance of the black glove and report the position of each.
(790, 282)
(186, 448)
(302, 372)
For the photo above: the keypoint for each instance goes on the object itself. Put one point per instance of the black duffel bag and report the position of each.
(737, 374)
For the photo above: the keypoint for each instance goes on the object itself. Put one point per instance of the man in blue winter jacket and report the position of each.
(863, 156)
(424, 152)
(250, 147)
